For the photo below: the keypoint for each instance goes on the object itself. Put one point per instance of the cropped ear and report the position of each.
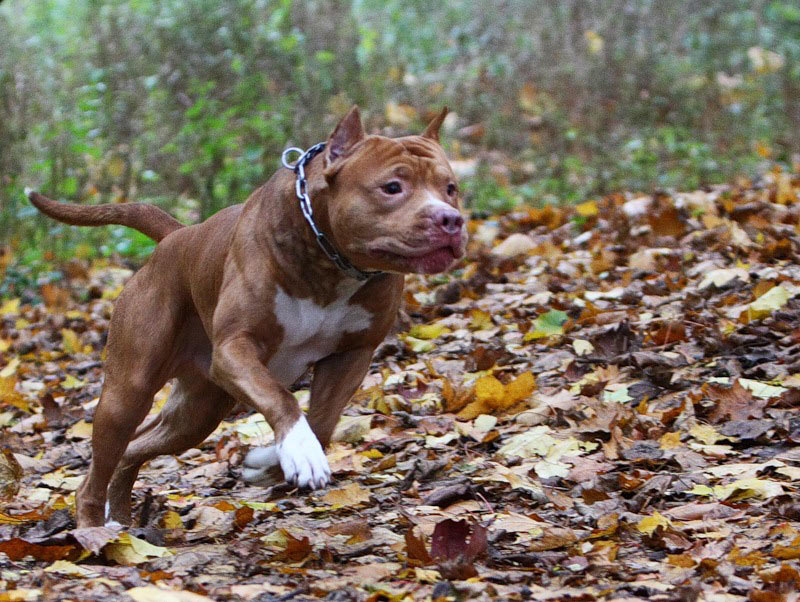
(432, 131)
(347, 134)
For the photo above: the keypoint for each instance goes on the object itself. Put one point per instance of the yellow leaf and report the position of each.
(489, 389)
(649, 524)
(705, 433)
(11, 369)
(110, 294)
(399, 114)
(428, 331)
(145, 548)
(587, 209)
(9, 394)
(520, 388)
(480, 320)
(683, 561)
(10, 307)
(350, 495)
(594, 42)
(70, 341)
(703, 490)
(5, 345)
(80, 430)
(58, 480)
(790, 552)
(427, 575)
(172, 520)
(670, 440)
(763, 149)
(772, 300)
(784, 193)
(747, 488)
(70, 382)
(418, 345)
(21, 595)
(65, 567)
(115, 167)
(473, 410)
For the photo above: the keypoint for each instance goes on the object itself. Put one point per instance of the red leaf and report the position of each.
(450, 540)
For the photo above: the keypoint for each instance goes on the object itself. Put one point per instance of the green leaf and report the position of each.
(547, 325)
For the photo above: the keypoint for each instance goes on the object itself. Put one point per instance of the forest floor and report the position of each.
(598, 405)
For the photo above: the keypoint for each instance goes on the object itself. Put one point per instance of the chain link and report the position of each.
(301, 191)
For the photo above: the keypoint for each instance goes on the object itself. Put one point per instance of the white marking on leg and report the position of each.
(301, 457)
(110, 523)
(258, 462)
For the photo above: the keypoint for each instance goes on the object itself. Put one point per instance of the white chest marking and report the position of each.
(311, 331)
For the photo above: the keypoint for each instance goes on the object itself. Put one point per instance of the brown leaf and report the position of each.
(455, 545)
(669, 332)
(10, 475)
(357, 530)
(614, 341)
(94, 539)
(452, 539)
(242, 516)
(554, 538)
(17, 549)
(444, 496)
(415, 548)
(665, 220)
(733, 403)
(296, 549)
(55, 298)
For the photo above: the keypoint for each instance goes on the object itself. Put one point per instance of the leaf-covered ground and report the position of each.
(601, 405)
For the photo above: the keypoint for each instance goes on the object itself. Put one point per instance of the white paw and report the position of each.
(301, 457)
(258, 462)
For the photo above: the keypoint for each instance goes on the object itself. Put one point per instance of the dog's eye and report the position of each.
(393, 187)
(451, 189)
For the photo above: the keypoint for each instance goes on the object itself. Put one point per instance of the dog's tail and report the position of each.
(147, 219)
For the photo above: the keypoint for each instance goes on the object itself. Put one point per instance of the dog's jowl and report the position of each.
(308, 272)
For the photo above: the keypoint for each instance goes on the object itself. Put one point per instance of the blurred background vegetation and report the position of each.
(188, 103)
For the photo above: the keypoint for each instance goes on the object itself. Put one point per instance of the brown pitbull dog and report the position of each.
(237, 308)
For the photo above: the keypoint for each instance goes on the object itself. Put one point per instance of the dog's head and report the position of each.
(392, 204)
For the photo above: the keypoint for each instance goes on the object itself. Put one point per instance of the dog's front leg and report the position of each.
(236, 366)
(336, 379)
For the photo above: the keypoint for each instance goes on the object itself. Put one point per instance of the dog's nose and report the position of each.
(449, 220)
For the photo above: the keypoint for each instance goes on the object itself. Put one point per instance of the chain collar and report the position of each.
(301, 190)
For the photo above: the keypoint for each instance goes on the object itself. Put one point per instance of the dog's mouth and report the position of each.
(432, 260)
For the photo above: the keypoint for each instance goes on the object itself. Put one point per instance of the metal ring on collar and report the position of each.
(289, 151)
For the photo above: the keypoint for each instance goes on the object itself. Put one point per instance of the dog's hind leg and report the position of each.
(141, 357)
(192, 411)
(120, 410)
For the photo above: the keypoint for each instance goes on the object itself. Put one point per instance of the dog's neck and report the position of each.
(298, 263)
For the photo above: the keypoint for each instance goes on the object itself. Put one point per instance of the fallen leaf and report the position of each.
(351, 495)
(649, 524)
(152, 593)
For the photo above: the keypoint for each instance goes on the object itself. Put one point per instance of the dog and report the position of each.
(307, 272)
